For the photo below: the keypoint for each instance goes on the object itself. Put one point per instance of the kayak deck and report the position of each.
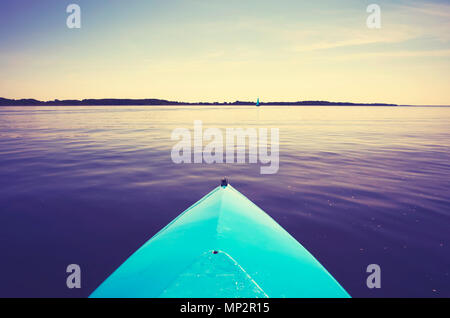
(222, 246)
(214, 272)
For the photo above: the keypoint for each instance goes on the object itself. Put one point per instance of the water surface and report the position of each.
(356, 186)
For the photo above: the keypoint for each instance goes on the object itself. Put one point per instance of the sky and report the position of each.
(217, 50)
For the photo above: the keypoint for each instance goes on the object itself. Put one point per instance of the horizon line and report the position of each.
(159, 101)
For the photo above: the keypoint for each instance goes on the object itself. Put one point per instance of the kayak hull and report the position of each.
(223, 246)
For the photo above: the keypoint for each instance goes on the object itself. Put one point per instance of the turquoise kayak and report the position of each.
(223, 246)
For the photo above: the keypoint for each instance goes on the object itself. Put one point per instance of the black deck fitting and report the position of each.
(224, 182)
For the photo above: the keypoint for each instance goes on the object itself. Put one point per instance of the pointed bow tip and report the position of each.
(224, 182)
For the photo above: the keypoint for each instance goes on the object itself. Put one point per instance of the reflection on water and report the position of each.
(356, 186)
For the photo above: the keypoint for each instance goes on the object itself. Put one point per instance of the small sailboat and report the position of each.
(257, 102)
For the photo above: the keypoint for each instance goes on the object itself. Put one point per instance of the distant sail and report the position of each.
(257, 102)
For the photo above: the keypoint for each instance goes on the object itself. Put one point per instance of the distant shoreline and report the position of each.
(162, 102)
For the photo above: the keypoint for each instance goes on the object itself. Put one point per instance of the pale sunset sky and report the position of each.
(227, 50)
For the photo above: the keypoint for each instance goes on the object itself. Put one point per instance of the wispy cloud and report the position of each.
(432, 18)
(416, 21)
(350, 37)
(395, 54)
(431, 9)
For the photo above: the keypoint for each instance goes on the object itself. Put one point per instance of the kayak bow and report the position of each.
(222, 246)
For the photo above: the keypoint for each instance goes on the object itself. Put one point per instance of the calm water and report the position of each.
(356, 186)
